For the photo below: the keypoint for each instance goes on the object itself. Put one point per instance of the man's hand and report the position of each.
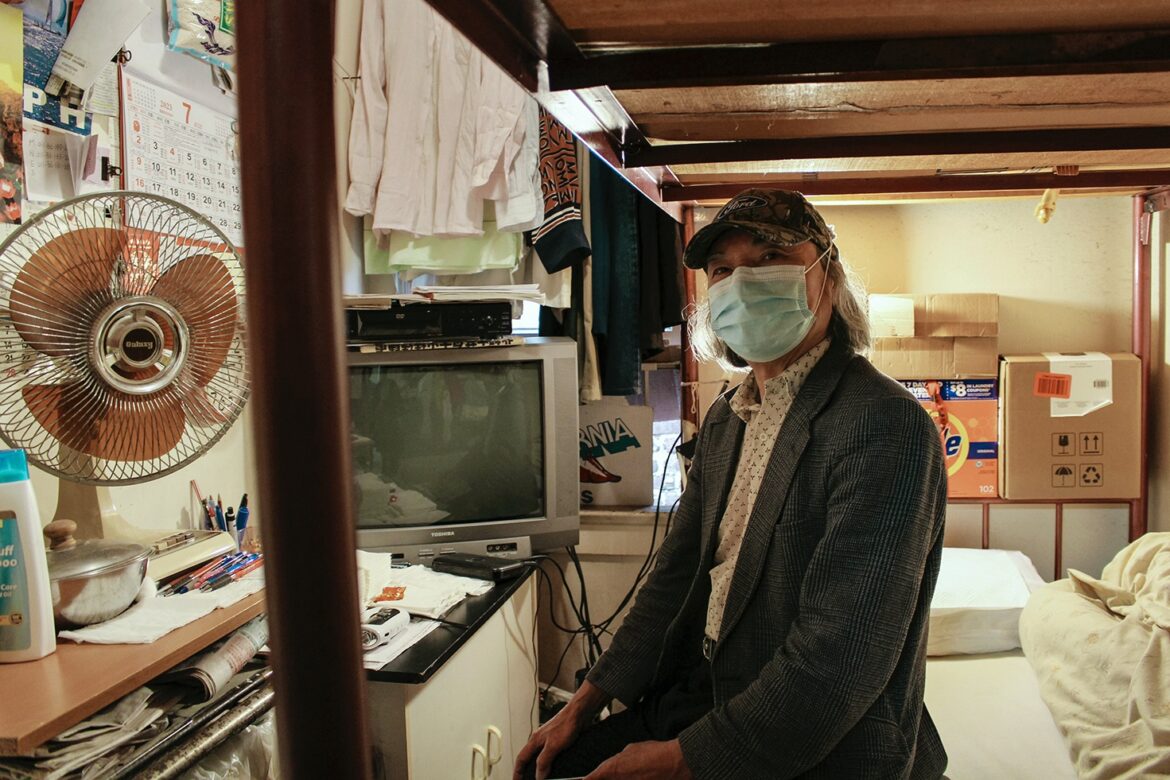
(645, 761)
(547, 742)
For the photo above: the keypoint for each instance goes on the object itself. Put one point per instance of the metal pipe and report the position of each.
(300, 410)
(212, 736)
(179, 732)
(1141, 347)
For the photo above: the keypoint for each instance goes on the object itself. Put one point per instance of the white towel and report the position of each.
(154, 618)
(424, 592)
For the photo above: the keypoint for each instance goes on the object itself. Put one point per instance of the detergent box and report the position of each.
(617, 446)
(966, 414)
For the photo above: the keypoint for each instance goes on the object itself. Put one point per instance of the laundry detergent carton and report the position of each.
(966, 414)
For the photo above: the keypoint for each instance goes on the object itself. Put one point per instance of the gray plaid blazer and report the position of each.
(820, 663)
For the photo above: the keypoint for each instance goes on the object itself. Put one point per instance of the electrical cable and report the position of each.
(587, 629)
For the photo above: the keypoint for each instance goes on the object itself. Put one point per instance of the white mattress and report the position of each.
(992, 720)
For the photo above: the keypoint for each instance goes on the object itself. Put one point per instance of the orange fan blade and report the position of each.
(107, 424)
(200, 287)
(200, 410)
(61, 286)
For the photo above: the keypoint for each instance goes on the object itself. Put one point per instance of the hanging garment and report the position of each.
(557, 288)
(660, 266)
(614, 214)
(590, 376)
(437, 129)
(560, 240)
(507, 165)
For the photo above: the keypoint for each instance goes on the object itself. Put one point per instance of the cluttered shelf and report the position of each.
(44, 697)
(419, 662)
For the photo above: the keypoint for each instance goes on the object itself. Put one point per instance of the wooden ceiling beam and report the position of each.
(888, 185)
(992, 56)
(903, 145)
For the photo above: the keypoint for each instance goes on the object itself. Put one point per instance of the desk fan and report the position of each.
(121, 349)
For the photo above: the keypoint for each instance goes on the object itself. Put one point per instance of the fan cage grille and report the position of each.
(156, 237)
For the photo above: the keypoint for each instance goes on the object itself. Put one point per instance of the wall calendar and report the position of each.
(181, 150)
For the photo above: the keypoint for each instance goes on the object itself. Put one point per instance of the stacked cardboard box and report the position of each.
(944, 336)
(1070, 426)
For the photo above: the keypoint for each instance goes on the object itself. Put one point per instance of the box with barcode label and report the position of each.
(1070, 426)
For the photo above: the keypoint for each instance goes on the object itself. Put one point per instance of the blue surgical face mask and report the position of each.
(762, 312)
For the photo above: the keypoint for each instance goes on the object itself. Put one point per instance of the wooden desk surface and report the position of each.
(43, 698)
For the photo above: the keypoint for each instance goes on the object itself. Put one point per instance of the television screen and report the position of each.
(443, 444)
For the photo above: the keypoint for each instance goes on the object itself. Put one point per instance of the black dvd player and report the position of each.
(423, 321)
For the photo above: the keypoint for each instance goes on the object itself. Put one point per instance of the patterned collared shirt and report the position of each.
(763, 420)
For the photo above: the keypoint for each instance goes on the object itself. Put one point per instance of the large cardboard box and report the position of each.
(953, 336)
(1070, 426)
(616, 454)
(937, 358)
(966, 413)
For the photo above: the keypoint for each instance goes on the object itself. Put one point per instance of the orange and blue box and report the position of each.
(966, 413)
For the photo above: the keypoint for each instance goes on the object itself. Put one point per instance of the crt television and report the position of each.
(470, 449)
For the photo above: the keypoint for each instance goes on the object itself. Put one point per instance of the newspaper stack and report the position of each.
(205, 674)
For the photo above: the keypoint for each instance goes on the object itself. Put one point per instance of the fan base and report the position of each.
(92, 508)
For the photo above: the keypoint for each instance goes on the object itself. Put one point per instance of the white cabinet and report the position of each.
(474, 714)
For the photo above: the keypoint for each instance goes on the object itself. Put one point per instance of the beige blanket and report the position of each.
(1101, 652)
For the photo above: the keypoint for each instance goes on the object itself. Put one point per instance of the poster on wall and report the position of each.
(46, 25)
(182, 150)
(11, 90)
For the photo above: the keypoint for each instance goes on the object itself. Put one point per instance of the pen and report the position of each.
(220, 522)
(208, 569)
(229, 518)
(215, 583)
(242, 519)
(224, 564)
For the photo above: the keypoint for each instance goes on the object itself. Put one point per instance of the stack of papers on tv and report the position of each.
(505, 292)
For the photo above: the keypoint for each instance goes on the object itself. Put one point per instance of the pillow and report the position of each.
(978, 599)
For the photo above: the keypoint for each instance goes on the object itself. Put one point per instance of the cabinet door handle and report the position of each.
(494, 756)
(480, 768)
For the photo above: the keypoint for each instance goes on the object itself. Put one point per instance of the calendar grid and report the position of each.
(180, 149)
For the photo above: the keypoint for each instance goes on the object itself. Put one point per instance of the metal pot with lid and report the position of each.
(93, 579)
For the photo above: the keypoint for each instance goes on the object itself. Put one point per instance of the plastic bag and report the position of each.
(249, 755)
(205, 29)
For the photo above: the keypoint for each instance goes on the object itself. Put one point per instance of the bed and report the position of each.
(1067, 679)
(980, 689)
(1100, 648)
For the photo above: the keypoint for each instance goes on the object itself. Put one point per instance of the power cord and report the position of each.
(587, 629)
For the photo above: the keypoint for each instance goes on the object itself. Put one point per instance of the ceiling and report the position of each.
(693, 100)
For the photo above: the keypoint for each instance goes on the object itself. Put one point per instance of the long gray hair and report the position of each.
(849, 323)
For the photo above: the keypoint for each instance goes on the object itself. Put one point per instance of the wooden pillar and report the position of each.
(300, 413)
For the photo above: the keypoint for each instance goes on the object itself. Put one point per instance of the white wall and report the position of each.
(1063, 286)
(226, 469)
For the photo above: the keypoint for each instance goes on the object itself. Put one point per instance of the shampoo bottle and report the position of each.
(26, 604)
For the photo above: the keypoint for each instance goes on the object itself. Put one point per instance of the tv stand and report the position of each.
(460, 698)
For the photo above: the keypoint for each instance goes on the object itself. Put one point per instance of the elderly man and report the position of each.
(783, 631)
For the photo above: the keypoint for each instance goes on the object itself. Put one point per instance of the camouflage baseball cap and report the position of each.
(782, 217)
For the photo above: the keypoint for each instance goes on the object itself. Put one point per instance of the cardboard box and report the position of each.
(955, 336)
(967, 415)
(1070, 426)
(616, 454)
(937, 358)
